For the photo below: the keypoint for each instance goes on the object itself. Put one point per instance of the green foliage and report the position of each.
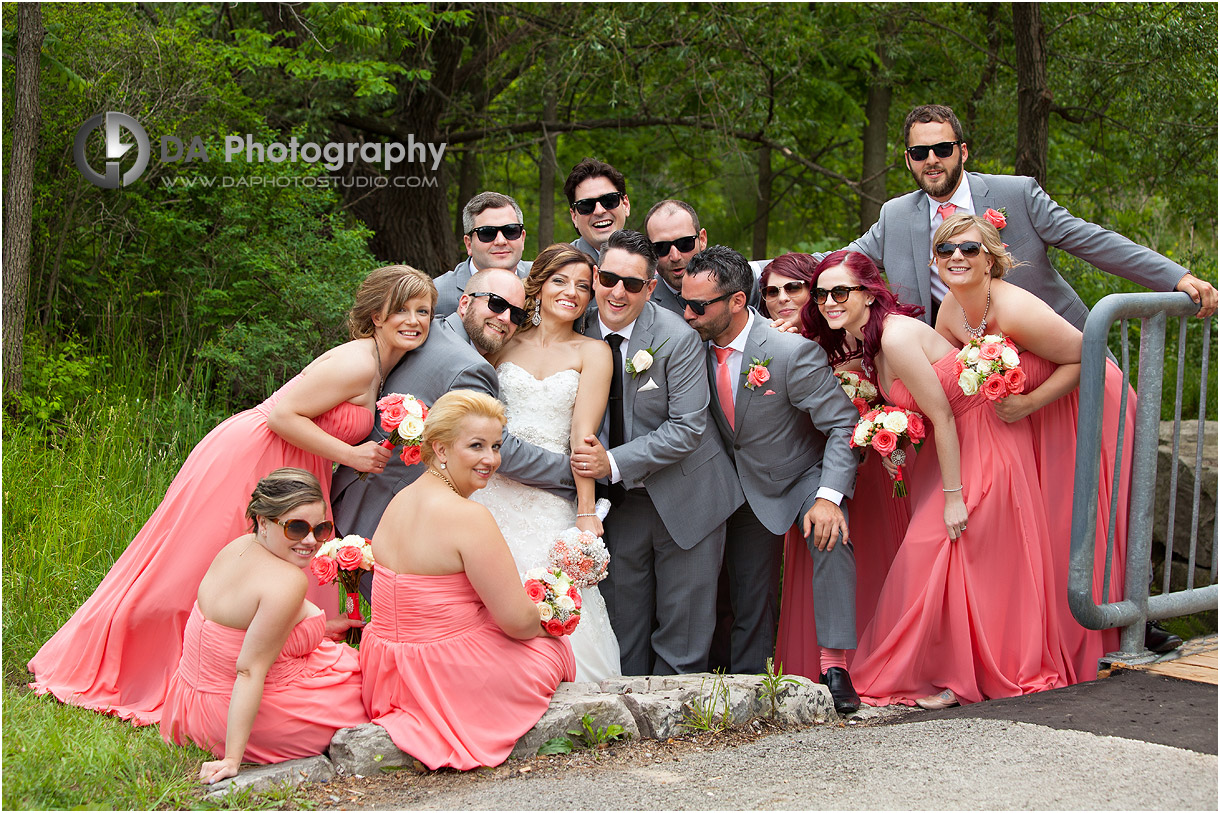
(56, 379)
(773, 682)
(708, 712)
(593, 736)
(556, 745)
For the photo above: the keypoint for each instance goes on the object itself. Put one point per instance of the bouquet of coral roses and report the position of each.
(403, 417)
(342, 560)
(558, 599)
(990, 365)
(883, 429)
(581, 556)
(858, 388)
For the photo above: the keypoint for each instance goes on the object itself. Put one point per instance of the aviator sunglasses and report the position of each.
(498, 304)
(943, 150)
(298, 529)
(699, 307)
(683, 244)
(633, 284)
(839, 293)
(487, 234)
(790, 288)
(970, 248)
(610, 200)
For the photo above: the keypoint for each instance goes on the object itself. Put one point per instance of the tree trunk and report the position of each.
(468, 187)
(546, 176)
(1033, 95)
(762, 204)
(19, 203)
(876, 144)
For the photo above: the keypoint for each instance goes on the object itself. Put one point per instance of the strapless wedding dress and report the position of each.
(540, 412)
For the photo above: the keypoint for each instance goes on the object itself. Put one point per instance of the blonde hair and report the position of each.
(1001, 261)
(444, 421)
(281, 491)
(385, 291)
(546, 265)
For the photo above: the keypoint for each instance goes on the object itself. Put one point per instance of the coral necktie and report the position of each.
(724, 386)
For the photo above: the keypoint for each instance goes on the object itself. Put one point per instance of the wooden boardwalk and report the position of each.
(1195, 660)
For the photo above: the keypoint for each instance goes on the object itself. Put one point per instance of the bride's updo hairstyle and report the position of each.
(1001, 260)
(548, 262)
(281, 491)
(444, 422)
(384, 291)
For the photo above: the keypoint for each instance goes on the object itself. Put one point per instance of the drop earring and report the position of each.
(536, 319)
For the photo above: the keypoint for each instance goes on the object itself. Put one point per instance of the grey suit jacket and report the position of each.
(669, 451)
(452, 284)
(667, 299)
(444, 362)
(587, 247)
(791, 434)
(900, 243)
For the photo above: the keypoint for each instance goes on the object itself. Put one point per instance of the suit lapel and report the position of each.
(756, 348)
(921, 246)
(641, 339)
(980, 194)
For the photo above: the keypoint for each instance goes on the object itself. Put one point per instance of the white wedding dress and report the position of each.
(540, 412)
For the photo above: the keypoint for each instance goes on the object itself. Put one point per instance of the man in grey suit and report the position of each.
(786, 424)
(666, 537)
(447, 361)
(494, 232)
(936, 152)
(597, 202)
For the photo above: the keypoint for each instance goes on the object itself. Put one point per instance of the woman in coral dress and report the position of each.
(876, 529)
(293, 688)
(964, 614)
(1050, 356)
(456, 664)
(117, 652)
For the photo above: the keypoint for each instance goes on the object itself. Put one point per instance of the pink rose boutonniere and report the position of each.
(757, 373)
(999, 219)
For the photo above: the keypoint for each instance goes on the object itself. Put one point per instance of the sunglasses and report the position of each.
(487, 234)
(970, 248)
(633, 284)
(699, 307)
(943, 150)
(610, 200)
(683, 244)
(790, 288)
(839, 293)
(498, 304)
(298, 529)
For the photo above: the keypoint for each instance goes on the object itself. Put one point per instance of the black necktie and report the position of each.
(616, 491)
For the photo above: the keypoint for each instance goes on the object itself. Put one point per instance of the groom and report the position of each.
(786, 425)
(677, 486)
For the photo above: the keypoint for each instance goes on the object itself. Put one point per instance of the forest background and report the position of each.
(137, 318)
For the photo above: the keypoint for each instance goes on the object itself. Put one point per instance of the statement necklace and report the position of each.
(982, 328)
(452, 487)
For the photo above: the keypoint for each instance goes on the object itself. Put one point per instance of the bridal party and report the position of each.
(639, 453)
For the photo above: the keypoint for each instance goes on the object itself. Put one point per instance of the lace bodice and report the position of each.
(539, 412)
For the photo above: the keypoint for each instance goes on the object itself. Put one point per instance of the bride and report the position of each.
(554, 383)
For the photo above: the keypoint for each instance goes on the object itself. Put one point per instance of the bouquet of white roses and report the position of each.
(990, 365)
(558, 599)
(858, 388)
(883, 429)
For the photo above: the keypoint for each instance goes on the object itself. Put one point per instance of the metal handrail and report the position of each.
(1153, 309)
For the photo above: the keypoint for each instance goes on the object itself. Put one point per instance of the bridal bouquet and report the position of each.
(403, 417)
(883, 429)
(858, 388)
(581, 556)
(990, 365)
(558, 599)
(341, 560)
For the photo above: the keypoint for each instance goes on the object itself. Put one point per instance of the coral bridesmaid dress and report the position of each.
(450, 687)
(1055, 450)
(876, 522)
(117, 652)
(976, 615)
(311, 691)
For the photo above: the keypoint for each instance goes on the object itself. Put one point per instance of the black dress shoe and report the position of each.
(1160, 640)
(839, 682)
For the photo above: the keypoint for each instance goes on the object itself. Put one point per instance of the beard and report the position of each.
(486, 345)
(947, 183)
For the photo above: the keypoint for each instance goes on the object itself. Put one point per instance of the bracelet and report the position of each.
(946, 490)
(578, 516)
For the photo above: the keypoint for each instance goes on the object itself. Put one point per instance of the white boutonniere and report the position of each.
(757, 374)
(642, 360)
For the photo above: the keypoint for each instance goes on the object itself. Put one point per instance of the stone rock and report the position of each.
(365, 750)
(268, 777)
(660, 714)
(566, 710)
(802, 703)
(1183, 499)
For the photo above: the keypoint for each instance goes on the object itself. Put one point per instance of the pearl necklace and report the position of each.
(452, 487)
(982, 328)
